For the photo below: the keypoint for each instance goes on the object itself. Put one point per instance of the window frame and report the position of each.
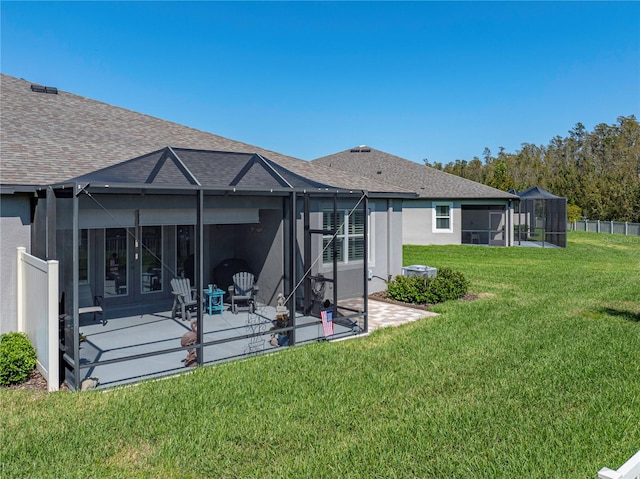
(436, 217)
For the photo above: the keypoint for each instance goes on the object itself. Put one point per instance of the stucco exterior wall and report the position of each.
(418, 221)
(15, 230)
(418, 227)
(386, 241)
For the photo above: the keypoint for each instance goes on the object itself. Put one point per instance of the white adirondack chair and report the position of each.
(184, 297)
(243, 289)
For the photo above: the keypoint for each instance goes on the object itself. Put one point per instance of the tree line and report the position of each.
(597, 171)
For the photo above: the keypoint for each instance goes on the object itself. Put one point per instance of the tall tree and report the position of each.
(597, 171)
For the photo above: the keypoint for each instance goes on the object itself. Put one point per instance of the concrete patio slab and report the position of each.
(229, 335)
(383, 314)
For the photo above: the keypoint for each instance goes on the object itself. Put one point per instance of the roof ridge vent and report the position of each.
(44, 89)
(361, 149)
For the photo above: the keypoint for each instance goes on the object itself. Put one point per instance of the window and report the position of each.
(355, 238)
(442, 221)
(350, 237)
(330, 221)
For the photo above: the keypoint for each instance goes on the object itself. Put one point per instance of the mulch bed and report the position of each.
(35, 382)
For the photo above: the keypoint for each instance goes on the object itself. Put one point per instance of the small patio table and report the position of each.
(215, 300)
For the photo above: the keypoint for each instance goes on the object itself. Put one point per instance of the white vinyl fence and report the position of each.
(629, 470)
(612, 227)
(37, 309)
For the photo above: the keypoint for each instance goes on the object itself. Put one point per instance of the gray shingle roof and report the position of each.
(427, 182)
(49, 138)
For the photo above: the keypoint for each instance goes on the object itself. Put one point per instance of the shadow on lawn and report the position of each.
(624, 314)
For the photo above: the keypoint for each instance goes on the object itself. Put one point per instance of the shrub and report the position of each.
(17, 358)
(408, 289)
(447, 285)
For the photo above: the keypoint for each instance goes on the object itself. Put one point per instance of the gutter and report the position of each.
(13, 189)
(381, 194)
(142, 188)
(507, 196)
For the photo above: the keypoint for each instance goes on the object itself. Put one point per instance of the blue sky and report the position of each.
(436, 80)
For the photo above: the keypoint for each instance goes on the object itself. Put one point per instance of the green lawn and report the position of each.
(539, 378)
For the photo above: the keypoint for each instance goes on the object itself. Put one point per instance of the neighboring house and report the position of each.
(448, 210)
(126, 202)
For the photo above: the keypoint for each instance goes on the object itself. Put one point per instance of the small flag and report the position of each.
(327, 322)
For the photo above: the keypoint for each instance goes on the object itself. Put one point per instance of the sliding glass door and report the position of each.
(151, 258)
(116, 261)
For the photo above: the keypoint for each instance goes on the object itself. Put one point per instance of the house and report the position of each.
(447, 210)
(126, 202)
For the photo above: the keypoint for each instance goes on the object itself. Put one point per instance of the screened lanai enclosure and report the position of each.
(541, 219)
(124, 233)
(485, 224)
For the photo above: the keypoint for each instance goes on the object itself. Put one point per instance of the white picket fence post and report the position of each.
(629, 470)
